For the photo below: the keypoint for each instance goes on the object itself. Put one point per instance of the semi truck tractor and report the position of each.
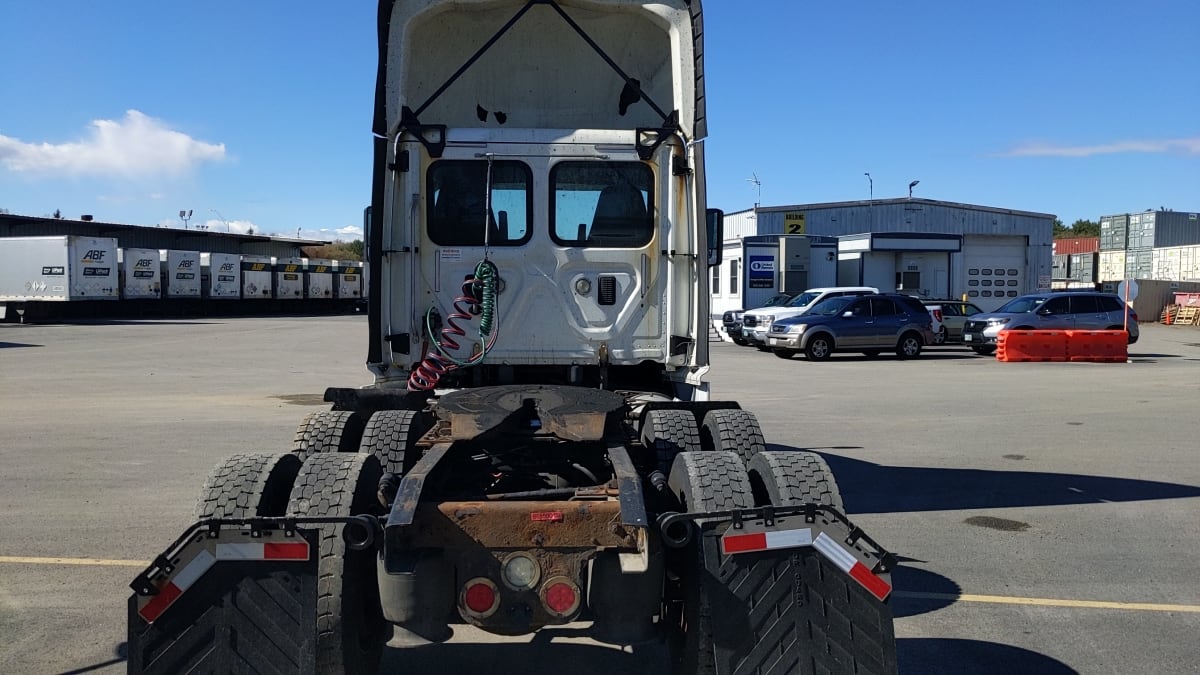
(540, 445)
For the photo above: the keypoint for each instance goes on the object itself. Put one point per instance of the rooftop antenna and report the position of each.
(757, 188)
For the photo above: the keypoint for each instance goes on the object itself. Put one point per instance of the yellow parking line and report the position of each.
(1050, 602)
(87, 562)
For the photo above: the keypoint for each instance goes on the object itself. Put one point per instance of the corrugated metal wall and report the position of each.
(1070, 245)
(1172, 228)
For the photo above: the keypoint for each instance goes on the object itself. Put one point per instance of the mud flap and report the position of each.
(792, 610)
(234, 615)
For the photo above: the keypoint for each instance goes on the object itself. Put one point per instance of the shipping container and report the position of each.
(1176, 228)
(1112, 266)
(1141, 231)
(1154, 295)
(180, 273)
(1178, 263)
(221, 276)
(258, 273)
(58, 269)
(318, 279)
(349, 279)
(1083, 267)
(141, 273)
(1139, 264)
(1072, 245)
(1114, 232)
(1060, 267)
(289, 278)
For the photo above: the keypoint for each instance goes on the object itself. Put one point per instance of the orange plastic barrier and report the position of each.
(1031, 345)
(1101, 346)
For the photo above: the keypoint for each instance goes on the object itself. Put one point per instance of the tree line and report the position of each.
(1080, 228)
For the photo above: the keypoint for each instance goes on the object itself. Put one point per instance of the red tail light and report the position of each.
(560, 596)
(480, 597)
(937, 314)
(1132, 315)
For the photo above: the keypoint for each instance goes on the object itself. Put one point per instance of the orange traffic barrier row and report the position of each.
(1031, 345)
(1102, 346)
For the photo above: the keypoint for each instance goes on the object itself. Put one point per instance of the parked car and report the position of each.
(1050, 311)
(732, 319)
(952, 314)
(869, 324)
(756, 322)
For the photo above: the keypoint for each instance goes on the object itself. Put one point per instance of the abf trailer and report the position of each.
(67, 268)
(539, 445)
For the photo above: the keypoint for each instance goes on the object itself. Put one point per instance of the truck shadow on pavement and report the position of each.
(933, 656)
(944, 489)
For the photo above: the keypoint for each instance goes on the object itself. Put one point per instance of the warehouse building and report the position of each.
(141, 236)
(925, 247)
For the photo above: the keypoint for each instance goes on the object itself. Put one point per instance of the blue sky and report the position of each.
(258, 113)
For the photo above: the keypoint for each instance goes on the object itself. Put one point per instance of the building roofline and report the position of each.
(899, 200)
(197, 233)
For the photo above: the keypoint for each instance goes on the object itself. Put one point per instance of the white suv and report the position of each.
(756, 322)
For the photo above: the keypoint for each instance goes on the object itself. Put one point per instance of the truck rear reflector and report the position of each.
(748, 542)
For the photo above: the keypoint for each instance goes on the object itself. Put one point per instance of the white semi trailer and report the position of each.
(539, 445)
(68, 268)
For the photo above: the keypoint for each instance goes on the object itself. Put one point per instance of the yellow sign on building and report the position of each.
(793, 223)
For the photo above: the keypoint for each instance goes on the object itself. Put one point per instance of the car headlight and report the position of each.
(998, 322)
(797, 328)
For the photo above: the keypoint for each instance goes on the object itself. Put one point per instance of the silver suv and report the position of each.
(1049, 311)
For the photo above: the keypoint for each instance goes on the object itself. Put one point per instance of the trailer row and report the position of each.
(72, 268)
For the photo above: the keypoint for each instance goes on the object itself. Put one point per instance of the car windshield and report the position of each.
(831, 307)
(1022, 305)
(804, 299)
(777, 300)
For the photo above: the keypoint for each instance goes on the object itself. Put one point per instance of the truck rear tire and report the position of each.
(794, 478)
(245, 486)
(702, 481)
(734, 430)
(391, 435)
(668, 433)
(328, 431)
(351, 630)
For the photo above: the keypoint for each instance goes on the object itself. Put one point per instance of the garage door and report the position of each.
(995, 269)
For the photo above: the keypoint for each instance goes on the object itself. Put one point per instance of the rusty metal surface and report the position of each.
(569, 413)
(518, 525)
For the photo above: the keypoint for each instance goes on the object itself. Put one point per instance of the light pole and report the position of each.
(227, 228)
(184, 216)
(911, 186)
(870, 183)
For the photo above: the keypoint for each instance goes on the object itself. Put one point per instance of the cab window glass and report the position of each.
(602, 204)
(456, 198)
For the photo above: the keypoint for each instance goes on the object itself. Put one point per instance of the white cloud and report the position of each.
(137, 145)
(1187, 146)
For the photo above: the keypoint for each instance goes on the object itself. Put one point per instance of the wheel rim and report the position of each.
(820, 348)
(940, 338)
(910, 347)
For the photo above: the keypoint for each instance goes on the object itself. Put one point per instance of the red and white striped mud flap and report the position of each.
(755, 537)
(203, 551)
(224, 599)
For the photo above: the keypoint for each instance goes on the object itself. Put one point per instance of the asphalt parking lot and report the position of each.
(1045, 513)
